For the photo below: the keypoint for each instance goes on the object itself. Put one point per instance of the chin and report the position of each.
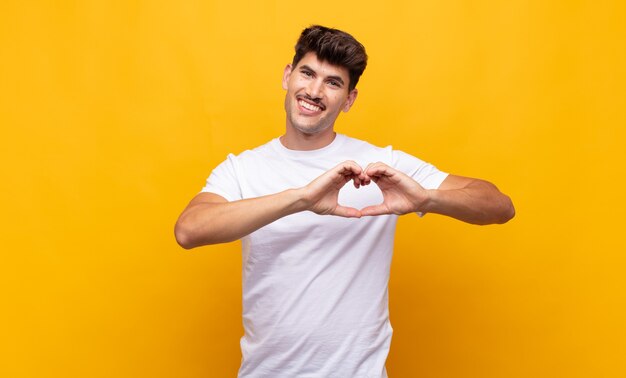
(311, 130)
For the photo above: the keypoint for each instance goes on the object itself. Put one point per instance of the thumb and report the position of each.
(346, 212)
(375, 210)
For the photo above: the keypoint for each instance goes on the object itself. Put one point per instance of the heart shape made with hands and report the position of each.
(401, 194)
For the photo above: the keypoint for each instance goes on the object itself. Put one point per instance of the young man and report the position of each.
(317, 252)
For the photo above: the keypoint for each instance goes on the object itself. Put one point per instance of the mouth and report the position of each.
(310, 107)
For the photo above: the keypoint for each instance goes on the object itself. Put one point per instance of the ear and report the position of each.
(286, 75)
(350, 100)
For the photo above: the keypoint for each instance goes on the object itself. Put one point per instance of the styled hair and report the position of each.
(335, 47)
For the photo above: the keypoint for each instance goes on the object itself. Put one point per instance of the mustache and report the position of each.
(317, 101)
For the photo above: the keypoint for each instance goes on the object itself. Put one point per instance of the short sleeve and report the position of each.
(427, 175)
(223, 180)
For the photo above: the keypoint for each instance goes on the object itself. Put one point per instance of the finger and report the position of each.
(375, 171)
(350, 169)
(367, 169)
(387, 174)
(375, 210)
(341, 174)
(364, 179)
(379, 169)
(349, 174)
(356, 180)
(347, 212)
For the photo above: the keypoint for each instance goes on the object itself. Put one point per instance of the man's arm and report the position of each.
(211, 219)
(470, 200)
(467, 199)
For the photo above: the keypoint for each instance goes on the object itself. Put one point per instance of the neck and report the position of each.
(299, 141)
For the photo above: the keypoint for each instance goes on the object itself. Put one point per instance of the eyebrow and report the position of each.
(333, 77)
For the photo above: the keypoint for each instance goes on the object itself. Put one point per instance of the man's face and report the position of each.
(317, 92)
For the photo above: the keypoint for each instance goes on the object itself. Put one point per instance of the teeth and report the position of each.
(308, 106)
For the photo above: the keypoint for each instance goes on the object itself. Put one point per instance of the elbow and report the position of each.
(508, 211)
(189, 235)
(184, 236)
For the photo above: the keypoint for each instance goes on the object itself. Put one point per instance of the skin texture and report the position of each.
(467, 199)
(210, 219)
(317, 83)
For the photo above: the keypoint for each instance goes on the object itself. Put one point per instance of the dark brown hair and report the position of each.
(335, 47)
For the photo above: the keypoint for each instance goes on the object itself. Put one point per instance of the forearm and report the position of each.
(211, 223)
(479, 202)
(210, 219)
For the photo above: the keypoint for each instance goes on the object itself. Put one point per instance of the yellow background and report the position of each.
(113, 113)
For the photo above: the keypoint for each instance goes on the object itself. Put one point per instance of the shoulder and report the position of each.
(259, 152)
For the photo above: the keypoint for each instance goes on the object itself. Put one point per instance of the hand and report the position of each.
(322, 193)
(401, 194)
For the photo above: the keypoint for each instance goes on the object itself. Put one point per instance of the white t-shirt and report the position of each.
(315, 298)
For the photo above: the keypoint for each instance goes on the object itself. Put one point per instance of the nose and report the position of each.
(315, 89)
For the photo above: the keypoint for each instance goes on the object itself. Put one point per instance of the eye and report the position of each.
(307, 73)
(334, 83)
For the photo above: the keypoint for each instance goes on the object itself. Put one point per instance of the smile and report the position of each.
(311, 107)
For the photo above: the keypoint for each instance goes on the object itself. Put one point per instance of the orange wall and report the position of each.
(113, 113)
